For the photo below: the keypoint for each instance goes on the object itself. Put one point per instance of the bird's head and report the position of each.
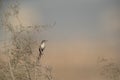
(44, 41)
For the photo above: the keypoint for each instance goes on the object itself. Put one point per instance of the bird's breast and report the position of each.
(43, 45)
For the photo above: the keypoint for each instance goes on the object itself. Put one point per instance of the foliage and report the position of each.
(109, 69)
(22, 59)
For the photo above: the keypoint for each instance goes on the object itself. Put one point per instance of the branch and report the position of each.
(28, 72)
(11, 71)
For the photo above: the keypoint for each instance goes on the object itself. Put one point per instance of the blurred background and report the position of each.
(85, 30)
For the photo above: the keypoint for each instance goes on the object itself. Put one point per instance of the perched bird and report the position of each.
(41, 48)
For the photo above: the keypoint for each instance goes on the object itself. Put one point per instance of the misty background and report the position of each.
(84, 30)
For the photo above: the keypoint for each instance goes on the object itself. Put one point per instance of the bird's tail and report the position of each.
(40, 54)
(39, 57)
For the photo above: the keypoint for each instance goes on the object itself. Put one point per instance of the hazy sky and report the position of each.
(74, 19)
(84, 30)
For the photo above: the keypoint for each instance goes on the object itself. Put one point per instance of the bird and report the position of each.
(41, 48)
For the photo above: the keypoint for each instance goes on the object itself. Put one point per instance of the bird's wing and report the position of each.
(40, 53)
